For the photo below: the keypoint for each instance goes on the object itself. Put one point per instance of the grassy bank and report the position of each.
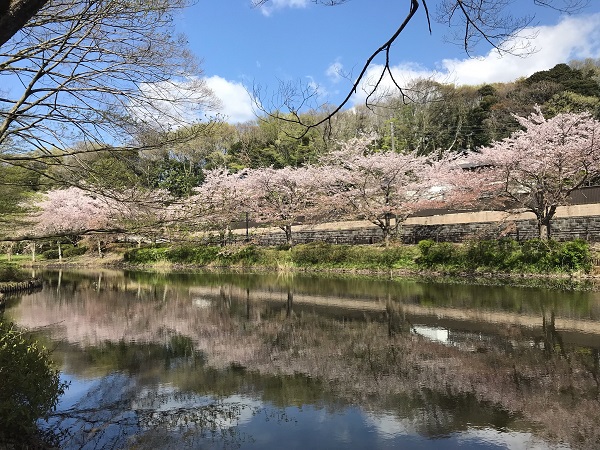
(501, 256)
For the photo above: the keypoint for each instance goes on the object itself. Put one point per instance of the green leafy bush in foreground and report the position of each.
(507, 255)
(30, 386)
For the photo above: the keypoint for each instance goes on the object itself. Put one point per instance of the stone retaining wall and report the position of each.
(563, 229)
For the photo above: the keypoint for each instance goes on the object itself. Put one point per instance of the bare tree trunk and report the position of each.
(59, 251)
(14, 14)
(544, 228)
(9, 251)
(288, 235)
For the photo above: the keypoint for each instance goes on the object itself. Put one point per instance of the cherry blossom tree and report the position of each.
(72, 211)
(284, 197)
(218, 202)
(537, 168)
(383, 187)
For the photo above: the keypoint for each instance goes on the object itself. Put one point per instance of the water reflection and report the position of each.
(251, 361)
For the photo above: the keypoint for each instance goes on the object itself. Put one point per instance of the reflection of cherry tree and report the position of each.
(281, 197)
(383, 187)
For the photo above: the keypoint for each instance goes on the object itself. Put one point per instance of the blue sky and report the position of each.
(299, 42)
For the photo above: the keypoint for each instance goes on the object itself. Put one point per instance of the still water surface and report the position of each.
(279, 361)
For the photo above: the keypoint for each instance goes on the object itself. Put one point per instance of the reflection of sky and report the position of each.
(256, 425)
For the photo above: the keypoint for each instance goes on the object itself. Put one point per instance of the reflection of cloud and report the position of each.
(432, 333)
(387, 426)
(571, 38)
(502, 439)
(166, 406)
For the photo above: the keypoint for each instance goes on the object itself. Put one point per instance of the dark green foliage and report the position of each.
(321, 254)
(145, 255)
(9, 272)
(507, 255)
(194, 255)
(50, 254)
(572, 80)
(30, 386)
(72, 250)
(16, 184)
(573, 255)
(177, 175)
(499, 254)
(433, 253)
(68, 250)
(504, 255)
(188, 254)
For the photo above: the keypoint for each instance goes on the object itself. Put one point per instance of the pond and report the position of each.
(280, 360)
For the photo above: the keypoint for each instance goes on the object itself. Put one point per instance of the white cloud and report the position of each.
(273, 5)
(236, 102)
(403, 76)
(172, 104)
(335, 71)
(571, 38)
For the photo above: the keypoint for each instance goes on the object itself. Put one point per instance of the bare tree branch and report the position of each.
(97, 75)
(474, 21)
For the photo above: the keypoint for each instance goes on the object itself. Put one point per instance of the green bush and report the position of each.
(569, 256)
(535, 250)
(146, 255)
(502, 254)
(50, 254)
(434, 253)
(192, 255)
(189, 254)
(235, 254)
(320, 253)
(351, 256)
(68, 250)
(30, 386)
(72, 250)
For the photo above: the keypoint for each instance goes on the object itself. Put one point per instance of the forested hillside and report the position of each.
(431, 119)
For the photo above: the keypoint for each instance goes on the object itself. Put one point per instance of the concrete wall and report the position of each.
(573, 222)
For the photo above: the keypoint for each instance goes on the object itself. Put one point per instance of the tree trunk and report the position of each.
(59, 251)
(544, 228)
(288, 235)
(99, 242)
(14, 14)
(32, 251)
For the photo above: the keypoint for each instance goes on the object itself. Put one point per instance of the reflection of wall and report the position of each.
(574, 331)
